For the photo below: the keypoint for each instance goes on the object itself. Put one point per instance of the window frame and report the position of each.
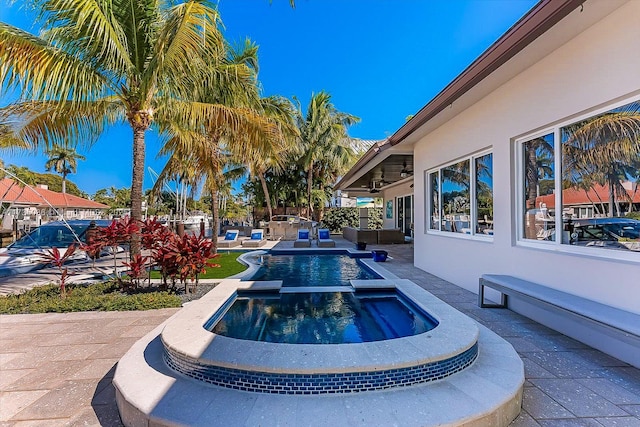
(557, 245)
(473, 214)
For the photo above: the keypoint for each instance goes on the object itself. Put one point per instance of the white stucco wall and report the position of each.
(598, 66)
(399, 190)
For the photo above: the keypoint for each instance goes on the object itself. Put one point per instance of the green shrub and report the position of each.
(96, 297)
(633, 215)
(336, 218)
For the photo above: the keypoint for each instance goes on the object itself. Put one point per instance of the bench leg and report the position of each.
(482, 304)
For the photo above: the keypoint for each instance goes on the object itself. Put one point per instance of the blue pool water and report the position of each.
(321, 318)
(313, 270)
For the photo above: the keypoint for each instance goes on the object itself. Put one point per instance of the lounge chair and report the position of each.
(230, 239)
(256, 240)
(324, 239)
(304, 239)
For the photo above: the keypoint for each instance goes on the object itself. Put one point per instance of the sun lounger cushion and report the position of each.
(323, 234)
(304, 239)
(230, 239)
(231, 235)
(256, 240)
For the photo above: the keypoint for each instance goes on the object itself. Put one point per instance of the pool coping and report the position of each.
(186, 337)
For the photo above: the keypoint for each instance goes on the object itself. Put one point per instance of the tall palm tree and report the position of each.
(266, 157)
(323, 134)
(604, 149)
(64, 161)
(534, 166)
(232, 84)
(102, 62)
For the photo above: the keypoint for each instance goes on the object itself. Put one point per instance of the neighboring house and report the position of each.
(594, 202)
(504, 136)
(35, 205)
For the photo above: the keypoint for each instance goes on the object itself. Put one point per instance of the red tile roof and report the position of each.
(11, 192)
(574, 197)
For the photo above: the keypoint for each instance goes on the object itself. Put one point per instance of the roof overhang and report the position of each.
(382, 166)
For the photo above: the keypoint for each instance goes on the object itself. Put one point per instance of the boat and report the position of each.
(26, 254)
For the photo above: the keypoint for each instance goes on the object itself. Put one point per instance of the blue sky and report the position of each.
(381, 60)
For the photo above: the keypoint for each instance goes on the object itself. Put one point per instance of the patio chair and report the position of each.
(256, 240)
(304, 239)
(230, 239)
(324, 239)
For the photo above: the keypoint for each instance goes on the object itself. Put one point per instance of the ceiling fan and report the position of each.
(373, 188)
(405, 172)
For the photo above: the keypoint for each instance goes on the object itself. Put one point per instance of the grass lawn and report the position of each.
(228, 267)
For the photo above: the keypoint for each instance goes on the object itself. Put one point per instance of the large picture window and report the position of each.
(597, 190)
(461, 196)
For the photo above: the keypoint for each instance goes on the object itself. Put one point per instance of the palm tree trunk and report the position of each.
(532, 176)
(215, 220)
(309, 188)
(612, 196)
(136, 182)
(64, 183)
(320, 213)
(265, 190)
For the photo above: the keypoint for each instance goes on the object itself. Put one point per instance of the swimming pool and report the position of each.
(321, 318)
(312, 269)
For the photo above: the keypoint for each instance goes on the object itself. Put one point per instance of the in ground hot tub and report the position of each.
(320, 317)
(446, 346)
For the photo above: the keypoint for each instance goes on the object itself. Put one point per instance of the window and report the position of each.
(461, 196)
(597, 190)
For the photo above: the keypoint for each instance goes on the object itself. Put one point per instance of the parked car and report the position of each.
(25, 254)
(613, 233)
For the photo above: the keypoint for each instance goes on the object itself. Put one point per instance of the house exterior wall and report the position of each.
(593, 69)
(400, 190)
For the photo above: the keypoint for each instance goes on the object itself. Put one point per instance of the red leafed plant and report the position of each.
(117, 233)
(185, 258)
(54, 257)
(137, 268)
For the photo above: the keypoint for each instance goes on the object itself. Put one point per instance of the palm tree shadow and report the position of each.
(103, 401)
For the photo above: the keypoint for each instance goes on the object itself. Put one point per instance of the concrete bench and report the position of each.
(575, 316)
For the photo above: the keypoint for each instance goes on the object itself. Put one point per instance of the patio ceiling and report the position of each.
(385, 169)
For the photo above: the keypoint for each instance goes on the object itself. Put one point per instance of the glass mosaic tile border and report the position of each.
(325, 383)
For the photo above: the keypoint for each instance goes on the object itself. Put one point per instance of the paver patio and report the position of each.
(56, 369)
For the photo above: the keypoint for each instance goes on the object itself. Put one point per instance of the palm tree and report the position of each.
(604, 149)
(207, 152)
(538, 159)
(269, 157)
(119, 61)
(323, 134)
(64, 161)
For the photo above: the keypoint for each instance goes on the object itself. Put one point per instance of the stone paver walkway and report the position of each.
(56, 369)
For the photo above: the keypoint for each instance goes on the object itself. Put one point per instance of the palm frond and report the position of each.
(34, 124)
(90, 31)
(43, 71)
